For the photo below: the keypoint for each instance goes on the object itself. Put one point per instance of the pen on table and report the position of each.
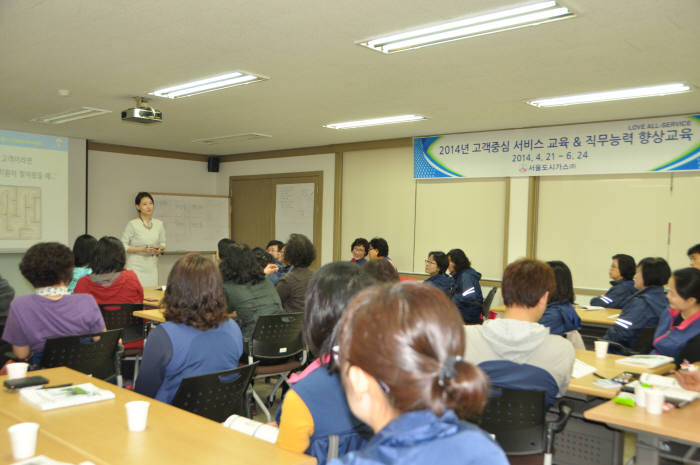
(58, 386)
(599, 376)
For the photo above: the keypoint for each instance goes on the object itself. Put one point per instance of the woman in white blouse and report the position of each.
(144, 240)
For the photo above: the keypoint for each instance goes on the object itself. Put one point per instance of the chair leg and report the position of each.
(273, 393)
(547, 459)
(137, 359)
(262, 406)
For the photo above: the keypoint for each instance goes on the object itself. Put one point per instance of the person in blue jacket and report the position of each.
(621, 273)
(646, 306)
(436, 266)
(314, 417)
(678, 332)
(400, 362)
(467, 289)
(560, 316)
(197, 338)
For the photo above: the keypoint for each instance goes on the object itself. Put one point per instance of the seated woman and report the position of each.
(436, 265)
(315, 408)
(299, 253)
(646, 306)
(621, 272)
(467, 289)
(197, 337)
(109, 282)
(246, 290)
(51, 311)
(560, 316)
(83, 247)
(678, 332)
(379, 250)
(359, 249)
(406, 379)
(382, 271)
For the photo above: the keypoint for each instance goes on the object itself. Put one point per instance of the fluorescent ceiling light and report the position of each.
(207, 85)
(71, 115)
(514, 18)
(621, 94)
(375, 122)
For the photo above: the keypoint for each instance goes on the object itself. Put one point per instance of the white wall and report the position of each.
(114, 180)
(324, 162)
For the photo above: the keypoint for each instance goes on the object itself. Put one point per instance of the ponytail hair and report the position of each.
(409, 337)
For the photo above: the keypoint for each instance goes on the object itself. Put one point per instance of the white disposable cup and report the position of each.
(655, 401)
(17, 370)
(23, 439)
(137, 415)
(601, 349)
(640, 396)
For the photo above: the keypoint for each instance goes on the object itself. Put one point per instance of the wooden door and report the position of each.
(253, 207)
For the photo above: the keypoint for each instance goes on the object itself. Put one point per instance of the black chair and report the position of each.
(216, 395)
(517, 419)
(276, 338)
(488, 301)
(93, 354)
(121, 316)
(643, 345)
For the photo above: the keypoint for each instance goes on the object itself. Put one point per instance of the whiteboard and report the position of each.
(192, 223)
(294, 210)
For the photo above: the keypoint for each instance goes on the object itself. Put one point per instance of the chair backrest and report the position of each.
(216, 395)
(488, 301)
(517, 419)
(83, 353)
(521, 376)
(645, 341)
(121, 316)
(277, 336)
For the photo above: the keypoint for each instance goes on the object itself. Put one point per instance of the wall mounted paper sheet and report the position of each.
(294, 210)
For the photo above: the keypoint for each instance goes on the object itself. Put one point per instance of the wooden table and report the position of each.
(154, 314)
(678, 425)
(608, 368)
(605, 317)
(47, 444)
(98, 432)
(152, 297)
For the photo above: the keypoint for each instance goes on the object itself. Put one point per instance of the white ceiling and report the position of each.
(107, 51)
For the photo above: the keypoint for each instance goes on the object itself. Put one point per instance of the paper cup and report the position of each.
(640, 396)
(137, 415)
(655, 401)
(17, 370)
(601, 349)
(23, 439)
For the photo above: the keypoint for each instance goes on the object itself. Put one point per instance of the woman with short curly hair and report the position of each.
(299, 253)
(51, 311)
(197, 337)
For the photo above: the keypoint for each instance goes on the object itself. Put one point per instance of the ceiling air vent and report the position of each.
(242, 137)
(71, 115)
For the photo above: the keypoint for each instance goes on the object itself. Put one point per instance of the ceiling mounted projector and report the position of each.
(142, 113)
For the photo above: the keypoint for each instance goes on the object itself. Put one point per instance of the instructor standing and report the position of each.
(144, 240)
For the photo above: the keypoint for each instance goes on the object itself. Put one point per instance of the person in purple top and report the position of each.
(51, 311)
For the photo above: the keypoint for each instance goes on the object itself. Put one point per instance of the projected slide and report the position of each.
(20, 212)
(33, 190)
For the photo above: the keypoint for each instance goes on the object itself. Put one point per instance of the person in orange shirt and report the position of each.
(315, 409)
